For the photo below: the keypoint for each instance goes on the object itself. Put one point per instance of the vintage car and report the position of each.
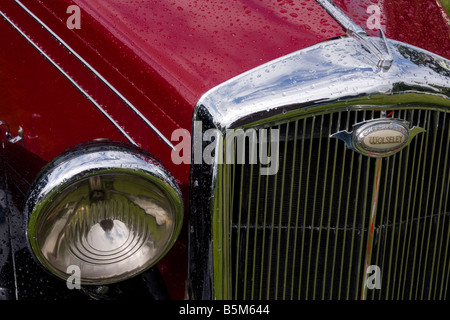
(245, 149)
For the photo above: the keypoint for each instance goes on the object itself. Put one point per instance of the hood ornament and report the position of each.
(377, 47)
(379, 137)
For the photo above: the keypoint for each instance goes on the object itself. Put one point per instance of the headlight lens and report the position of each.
(112, 213)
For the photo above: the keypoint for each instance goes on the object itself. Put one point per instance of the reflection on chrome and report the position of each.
(107, 235)
(152, 209)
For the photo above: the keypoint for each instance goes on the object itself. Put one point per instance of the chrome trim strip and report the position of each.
(71, 80)
(373, 212)
(109, 85)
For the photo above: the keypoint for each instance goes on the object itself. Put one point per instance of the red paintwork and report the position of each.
(162, 56)
(422, 23)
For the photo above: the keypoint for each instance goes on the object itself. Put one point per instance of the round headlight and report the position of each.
(112, 212)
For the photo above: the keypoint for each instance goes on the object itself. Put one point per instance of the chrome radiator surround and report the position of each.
(337, 76)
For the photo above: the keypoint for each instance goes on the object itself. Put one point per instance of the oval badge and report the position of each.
(379, 137)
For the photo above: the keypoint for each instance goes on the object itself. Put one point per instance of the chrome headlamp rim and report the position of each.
(92, 161)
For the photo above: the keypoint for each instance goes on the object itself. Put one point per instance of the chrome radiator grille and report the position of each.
(304, 232)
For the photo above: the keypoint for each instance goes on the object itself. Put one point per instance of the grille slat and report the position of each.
(304, 233)
(280, 216)
(340, 201)
(291, 199)
(444, 146)
(314, 217)
(444, 198)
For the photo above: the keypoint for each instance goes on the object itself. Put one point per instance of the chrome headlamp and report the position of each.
(110, 211)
